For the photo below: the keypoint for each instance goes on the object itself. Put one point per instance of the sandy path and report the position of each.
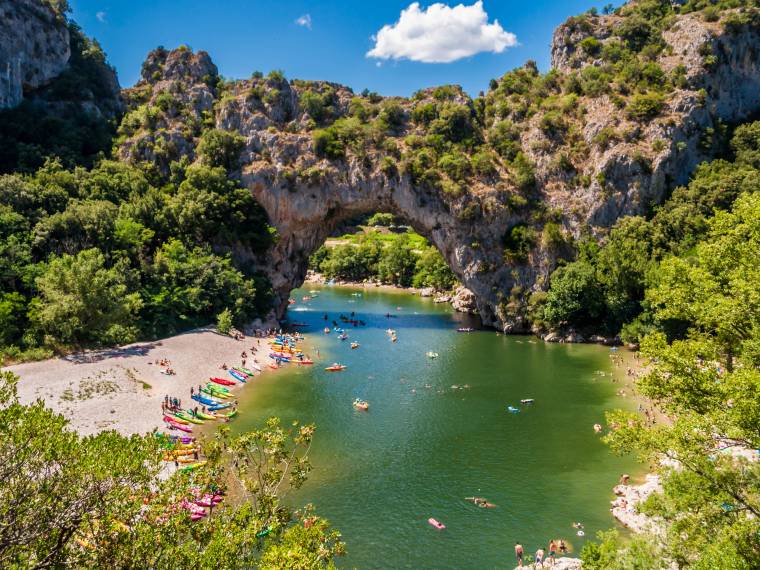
(122, 388)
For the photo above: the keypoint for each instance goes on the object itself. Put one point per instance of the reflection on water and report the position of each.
(438, 430)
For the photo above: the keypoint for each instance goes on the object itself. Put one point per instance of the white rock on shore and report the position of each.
(564, 563)
(624, 508)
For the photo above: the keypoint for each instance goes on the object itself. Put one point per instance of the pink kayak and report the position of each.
(436, 524)
(194, 509)
(208, 500)
(175, 425)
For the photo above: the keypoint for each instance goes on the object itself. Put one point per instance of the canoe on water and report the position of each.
(437, 524)
(335, 368)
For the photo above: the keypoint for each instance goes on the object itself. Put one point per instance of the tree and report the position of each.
(708, 383)
(224, 322)
(622, 266)
(433, 271)
(220, 148)
(575, 295)
(397, 263)
(83, 301)
(190, 287)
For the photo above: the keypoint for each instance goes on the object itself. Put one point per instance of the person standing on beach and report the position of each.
(519, 553)
(552, 552)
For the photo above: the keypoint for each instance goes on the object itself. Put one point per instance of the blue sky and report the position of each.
(243, 36)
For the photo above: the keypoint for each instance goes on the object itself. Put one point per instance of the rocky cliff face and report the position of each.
(579, 180)
(34, 48)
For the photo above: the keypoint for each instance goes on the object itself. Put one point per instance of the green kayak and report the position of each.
(205, 416)
(214, 393)
(216, 388)
(189, 417)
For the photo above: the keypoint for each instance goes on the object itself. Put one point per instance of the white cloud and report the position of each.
(101, 16)
(440, 34)
(304, 21)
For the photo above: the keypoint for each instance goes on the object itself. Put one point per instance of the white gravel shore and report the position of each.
(123, 388)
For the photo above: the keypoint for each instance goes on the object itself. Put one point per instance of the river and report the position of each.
(426, 443)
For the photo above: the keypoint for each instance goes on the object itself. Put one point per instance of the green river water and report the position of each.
(423, 445)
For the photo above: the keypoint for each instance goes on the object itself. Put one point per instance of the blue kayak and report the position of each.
(513, 409)
(237, 376)
(204, 400)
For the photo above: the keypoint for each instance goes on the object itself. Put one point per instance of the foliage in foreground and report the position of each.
(708, 383)
(96, 501)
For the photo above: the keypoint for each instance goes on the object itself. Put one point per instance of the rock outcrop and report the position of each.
(34, 48)
(464, 301)
(578, 184)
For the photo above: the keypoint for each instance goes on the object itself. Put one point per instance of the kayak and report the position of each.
(192, 467)
(513, 409)
(182, 439)
(361, 405)
(527, 401)
(223, 382)
(231, 414)
(245, 371)
(204, 400)
(176, 418)
(214, 393)
(190, 417)
(304, 361)
(238, 376)
(335, 368)
(175, 425)
(437, 524)
(215, 388)
(215, 407)
(205, 416)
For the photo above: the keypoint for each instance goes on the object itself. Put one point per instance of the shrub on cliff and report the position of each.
(218, 147)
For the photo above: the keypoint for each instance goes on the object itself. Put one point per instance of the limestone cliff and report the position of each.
(34, 48)
(501, 184)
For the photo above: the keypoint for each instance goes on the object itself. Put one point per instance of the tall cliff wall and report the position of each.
(34, 48)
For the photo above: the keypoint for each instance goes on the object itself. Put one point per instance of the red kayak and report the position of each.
(223, 382)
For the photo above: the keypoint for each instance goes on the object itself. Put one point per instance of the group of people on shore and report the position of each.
(171, 403)
(555, 546)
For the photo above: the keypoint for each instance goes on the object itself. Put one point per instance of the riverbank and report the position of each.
(461, 299)
(123, 388)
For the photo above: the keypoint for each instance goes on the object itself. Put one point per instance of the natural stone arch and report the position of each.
(306, 215)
